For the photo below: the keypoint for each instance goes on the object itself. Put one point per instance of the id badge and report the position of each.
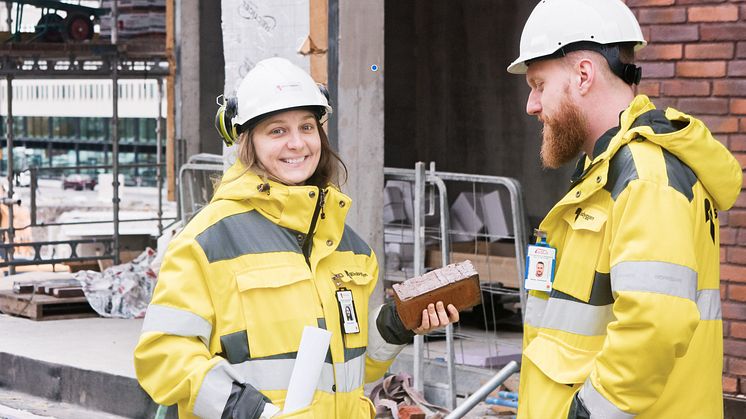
(347, 311)
(540, 260)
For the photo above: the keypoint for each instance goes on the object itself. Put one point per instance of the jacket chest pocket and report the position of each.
(277, 303)
(581, 251)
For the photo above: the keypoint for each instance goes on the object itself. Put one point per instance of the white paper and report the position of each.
(307, 369)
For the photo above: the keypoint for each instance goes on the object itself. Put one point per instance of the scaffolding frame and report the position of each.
(82, 61)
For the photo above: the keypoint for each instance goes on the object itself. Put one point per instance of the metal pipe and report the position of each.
(419, 266)
(445, 247)
(11, 222)
(115, 145)
(158, 151)
(483, 391)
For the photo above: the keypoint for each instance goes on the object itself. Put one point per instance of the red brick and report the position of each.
(721, 124)
(735, 311)
(738, 106)
(737, 255)
(728, 235)
(657, 70)
(741, 201)
(741, 236)
(723, 259)
(723, 31)
(741, 157)
(743, 127)
(737, 293)
(706, 106)
(730, 385)
(700, 69)
(731, 272)
(638, 3)
(686, 88)
(676, 33)
(662, 15)
(707, 51)
(650, 88)
(729, 88)
(734, 347)
(663, 52)
(723, 288)
(737, 68)
(724, 13)
(698, 1)
(738, 330)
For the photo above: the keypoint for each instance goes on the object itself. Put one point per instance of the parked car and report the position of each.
(78, 182)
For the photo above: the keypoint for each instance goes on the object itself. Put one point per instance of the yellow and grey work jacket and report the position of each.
(236, 289)
(632, 326)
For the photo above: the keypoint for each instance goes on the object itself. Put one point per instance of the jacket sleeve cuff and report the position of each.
(597, 405)
(382, 344)
(390, 326)
(244, 402)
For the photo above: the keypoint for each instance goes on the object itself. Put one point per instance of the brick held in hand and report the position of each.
(456, 284)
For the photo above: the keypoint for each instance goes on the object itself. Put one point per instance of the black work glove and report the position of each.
(245, 402)
(577, 409)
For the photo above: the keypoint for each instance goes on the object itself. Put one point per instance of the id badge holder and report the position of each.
(540, 260)
(347, 311)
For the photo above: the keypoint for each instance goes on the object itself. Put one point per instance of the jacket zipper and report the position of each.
(308, 243)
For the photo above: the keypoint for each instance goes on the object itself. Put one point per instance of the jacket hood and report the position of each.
(689, 140)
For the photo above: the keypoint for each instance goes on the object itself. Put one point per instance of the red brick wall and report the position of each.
(697, 63)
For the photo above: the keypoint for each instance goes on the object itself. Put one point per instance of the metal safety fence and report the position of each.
(435, 218)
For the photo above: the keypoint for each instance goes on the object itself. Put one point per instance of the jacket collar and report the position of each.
(292, 207)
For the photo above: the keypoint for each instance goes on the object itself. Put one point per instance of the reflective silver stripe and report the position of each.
(708, 303)
(350, 374)
(657, 277)
(378, 349)
(577, 317)
(214, 391)
(274, 374)
(177, 322)
(597, 404)
(535, 307)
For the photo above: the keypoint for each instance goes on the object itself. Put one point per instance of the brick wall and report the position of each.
(697, 63)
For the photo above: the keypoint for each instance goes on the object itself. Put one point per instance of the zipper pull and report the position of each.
(322, 201)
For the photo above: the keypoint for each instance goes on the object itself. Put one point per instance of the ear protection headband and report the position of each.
(226, 111)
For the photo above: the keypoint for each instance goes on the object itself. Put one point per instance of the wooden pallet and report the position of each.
(45, 307)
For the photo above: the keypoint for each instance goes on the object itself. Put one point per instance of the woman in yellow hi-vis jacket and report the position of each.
(267, 257)
(631, 327)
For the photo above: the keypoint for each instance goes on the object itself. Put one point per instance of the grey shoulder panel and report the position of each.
(600, 292)
(351, 242)
(245, 233)
(680, 176)
(622, 171)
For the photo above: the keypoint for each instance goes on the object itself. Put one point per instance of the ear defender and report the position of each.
(226, 111)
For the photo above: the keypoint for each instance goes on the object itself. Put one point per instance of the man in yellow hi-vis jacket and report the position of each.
(631, 326)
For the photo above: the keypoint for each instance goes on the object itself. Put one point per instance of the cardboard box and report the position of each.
(492, 268)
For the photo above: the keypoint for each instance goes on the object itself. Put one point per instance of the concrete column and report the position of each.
(200, 74)
(359, 113)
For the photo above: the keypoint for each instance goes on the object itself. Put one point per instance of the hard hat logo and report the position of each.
(288, 87)
(556, 26)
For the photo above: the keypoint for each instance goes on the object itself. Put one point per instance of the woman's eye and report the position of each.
(308, 127)
(277, 131)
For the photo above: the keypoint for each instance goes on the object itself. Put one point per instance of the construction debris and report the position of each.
(122, 291)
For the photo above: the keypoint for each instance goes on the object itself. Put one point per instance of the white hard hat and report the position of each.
(554, 24)
(275, 84)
